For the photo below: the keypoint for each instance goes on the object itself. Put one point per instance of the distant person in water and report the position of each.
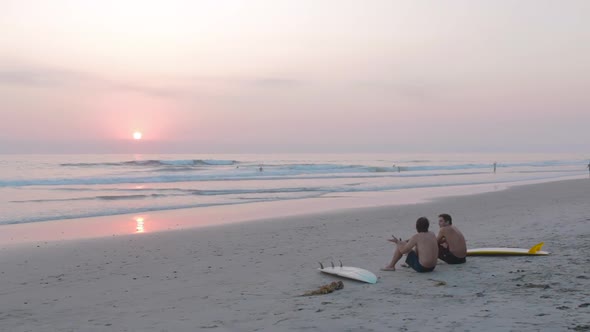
(495, 164)
(260, 169)
(589, 168)
(451, 242)
(421, 249)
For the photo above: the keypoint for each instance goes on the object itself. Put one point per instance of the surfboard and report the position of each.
(533, 251)
(350, 272)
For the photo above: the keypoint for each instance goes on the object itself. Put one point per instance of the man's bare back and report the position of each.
(426, 248)
(454, 239)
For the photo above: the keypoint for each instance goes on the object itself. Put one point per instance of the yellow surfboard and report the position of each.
(533, 251)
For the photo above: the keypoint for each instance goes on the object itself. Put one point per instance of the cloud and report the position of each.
(29, 75)
(38, 76)
(408, 89)
(48, 77)
(273, 82)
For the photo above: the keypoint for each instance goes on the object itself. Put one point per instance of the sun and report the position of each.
(137, 135)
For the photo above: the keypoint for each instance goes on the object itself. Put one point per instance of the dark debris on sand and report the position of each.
(326, 289)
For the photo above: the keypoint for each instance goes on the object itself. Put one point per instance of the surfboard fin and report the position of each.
(536, 248)
(321, 265)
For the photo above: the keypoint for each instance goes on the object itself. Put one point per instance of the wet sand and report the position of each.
(249, 276)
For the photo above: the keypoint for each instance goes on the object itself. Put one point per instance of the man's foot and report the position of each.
(388, 268)
(405, 265)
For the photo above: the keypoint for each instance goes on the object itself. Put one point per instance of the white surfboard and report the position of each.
(534, 251)
(350, 272)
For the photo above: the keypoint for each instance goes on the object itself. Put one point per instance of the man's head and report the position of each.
(444, 220)
(422, 225)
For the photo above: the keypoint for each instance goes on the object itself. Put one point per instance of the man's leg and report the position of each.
(397, 255)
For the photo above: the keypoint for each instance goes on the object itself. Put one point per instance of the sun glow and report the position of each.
(140, 226)
(137, 135)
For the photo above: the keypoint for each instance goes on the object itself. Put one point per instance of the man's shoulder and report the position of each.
(444, 230)
(419, 236)
(455, 229)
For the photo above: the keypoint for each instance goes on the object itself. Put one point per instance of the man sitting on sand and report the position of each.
(423, 258)
(451, 242)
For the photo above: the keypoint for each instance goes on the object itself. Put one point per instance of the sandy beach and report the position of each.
(250, 276)
(189, 165)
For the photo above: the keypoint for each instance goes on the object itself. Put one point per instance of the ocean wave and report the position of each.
(112, 212)
(123, 211)
(180, 192)
(103, 197)
(154, 162)
(167, 174)
(314, 192)
(173, 169)
(257, 176)
(258, 191)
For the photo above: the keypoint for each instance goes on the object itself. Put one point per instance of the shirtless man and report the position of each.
(423, 258)
(451, 243)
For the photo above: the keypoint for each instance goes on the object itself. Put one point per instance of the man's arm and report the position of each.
(406, 248)
(441, 237)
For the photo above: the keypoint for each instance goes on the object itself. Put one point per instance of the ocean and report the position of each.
(37, 188)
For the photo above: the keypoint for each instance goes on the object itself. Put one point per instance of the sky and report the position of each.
(232, 76)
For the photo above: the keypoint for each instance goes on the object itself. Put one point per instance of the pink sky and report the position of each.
(294, 76)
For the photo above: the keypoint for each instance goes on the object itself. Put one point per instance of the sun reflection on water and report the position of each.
(140, 225)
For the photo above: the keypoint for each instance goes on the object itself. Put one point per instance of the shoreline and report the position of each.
(250, 276)
(190, 218)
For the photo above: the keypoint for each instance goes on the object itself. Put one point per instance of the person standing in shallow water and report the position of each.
(495, 164)
(589, 168)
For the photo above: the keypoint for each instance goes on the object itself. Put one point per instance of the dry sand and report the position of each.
(248, 277)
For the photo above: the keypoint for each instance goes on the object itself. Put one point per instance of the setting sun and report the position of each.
(137, 135)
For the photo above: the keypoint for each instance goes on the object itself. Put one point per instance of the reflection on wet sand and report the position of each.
(140, 225)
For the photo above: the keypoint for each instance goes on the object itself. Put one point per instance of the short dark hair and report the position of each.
(422, 225)
(446, 217)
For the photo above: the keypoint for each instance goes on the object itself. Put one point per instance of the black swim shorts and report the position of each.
(445, 255)
(413, 261)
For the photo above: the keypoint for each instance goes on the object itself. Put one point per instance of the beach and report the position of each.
(189, 165)
(250, 276)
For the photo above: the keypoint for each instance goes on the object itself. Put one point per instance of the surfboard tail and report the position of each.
(536, 247)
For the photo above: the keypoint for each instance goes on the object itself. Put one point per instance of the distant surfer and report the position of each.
(423, 258)
(589, 168)
(451, 242)
(495, 165)
(260, 169)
